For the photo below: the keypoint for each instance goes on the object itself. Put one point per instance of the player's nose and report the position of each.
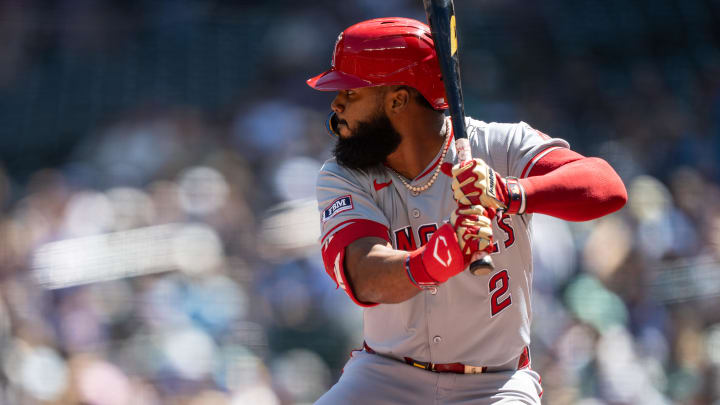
(336, 105)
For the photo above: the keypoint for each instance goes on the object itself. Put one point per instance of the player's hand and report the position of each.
(476, 183)
(473, 228)
(437, 261)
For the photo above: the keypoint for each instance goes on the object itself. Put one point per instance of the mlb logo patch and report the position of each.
(340, 204)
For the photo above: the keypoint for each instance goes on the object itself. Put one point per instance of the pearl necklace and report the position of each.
(419, 189)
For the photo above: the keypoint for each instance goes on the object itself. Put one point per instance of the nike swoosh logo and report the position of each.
(380, 186)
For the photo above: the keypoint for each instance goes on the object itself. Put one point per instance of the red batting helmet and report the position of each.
(385, 51)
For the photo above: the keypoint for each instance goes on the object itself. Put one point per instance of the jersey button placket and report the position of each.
(416, 213)
(437, 339)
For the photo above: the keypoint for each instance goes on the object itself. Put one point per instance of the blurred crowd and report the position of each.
(158, 232)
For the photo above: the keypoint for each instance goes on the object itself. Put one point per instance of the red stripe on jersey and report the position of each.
(333, 250)
(337, 226)
(528, 167)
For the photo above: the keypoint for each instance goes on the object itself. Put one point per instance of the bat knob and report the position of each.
(482, 264)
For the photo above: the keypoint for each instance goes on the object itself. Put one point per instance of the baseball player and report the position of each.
(401, 220)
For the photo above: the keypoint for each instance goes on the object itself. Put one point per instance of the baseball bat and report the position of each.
(441, 17)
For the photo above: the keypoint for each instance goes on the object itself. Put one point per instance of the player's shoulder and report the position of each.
(331, 170)
(479, 128)
(481, 131)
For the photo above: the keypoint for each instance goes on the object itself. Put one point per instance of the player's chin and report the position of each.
(343, 130)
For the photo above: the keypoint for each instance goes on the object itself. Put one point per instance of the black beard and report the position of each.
(369, 145)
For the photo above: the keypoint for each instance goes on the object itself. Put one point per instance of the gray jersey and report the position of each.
(482, 320)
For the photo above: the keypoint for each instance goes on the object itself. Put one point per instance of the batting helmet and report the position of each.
(385, 51)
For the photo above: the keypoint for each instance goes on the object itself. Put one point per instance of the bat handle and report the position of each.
(481, 264)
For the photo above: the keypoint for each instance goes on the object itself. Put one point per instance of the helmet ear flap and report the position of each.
(331, 125)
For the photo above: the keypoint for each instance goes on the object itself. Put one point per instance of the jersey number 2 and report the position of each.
(498, 286)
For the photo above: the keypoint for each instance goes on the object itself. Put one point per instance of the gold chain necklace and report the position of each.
(419, 189)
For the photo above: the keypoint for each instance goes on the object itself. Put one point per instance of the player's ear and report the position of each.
(397, 99)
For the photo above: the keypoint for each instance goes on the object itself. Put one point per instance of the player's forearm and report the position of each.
(377, 272)
(580, 190)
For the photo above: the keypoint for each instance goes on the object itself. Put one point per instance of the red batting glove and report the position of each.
(436, 262)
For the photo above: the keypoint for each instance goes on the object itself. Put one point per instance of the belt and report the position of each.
(458, 368)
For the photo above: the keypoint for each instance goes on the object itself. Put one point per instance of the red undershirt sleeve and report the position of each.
(570, 186)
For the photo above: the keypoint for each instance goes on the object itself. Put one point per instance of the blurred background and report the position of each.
(158, 229)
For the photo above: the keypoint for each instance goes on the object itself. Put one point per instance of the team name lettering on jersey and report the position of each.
(505, 223)
(405, 237)
(340, 204)
(425, 232)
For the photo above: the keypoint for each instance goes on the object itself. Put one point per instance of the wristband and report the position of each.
(516, 196)
(409, 273)
(416, 271)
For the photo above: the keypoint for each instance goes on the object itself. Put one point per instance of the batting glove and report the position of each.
(437, 261)
(449, 251)
(473, 228)
(476, 183)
